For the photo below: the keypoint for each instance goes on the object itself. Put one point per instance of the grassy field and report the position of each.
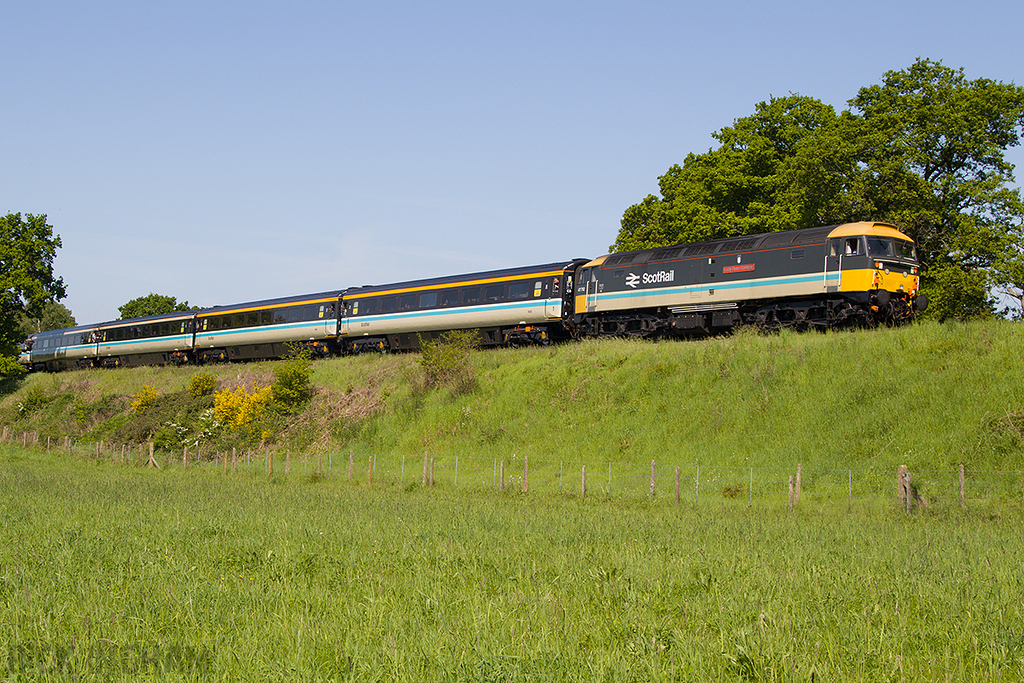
(113, 573)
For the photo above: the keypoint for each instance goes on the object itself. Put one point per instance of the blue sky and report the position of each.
(228, 151)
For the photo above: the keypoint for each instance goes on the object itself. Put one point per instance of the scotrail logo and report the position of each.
(632, 280)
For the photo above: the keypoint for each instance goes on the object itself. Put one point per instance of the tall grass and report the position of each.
(108, 573)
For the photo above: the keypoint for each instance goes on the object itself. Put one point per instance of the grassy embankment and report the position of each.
(930, 396)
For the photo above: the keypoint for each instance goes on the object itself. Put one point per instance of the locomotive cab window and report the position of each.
(852, 246)
(906, 250)
(880, 247)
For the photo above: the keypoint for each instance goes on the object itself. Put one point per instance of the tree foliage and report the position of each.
(151, 304)
(53, 316)
(27, 249)
(924, 150)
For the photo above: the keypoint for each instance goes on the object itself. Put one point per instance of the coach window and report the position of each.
(251, 318)
(428, 299)
(406, 302)
(494, 292)
(471, 295)
(387, 304)
(852, 246)
(265, 317)
(278, 314)
(449, 297)
(518, 290)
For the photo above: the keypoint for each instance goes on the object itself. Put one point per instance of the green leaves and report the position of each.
(27, 250)
(151, 304)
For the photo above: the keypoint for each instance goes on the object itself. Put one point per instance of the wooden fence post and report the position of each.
(270, 463)
(431, 473)
(901, 487)
(369, 468)
(152, 460)
(184, 459)
(652, 479)
(583, 483)
(501, 476)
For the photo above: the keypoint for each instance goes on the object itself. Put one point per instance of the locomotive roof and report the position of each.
(744, 243)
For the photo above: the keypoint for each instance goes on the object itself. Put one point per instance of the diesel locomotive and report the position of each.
(857, 273)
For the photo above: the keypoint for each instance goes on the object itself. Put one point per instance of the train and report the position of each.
(863, 273)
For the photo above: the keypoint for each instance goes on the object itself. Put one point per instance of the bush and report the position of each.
(446, 360)
(239, 409)
(291, 386)
(201, 384)
(143, 399)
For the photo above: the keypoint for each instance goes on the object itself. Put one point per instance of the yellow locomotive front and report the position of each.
(877, 263)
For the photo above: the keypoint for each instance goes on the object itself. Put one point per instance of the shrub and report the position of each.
(291, 386)
(238, 408)
(143, 399)
(201, 384)
(446, 360)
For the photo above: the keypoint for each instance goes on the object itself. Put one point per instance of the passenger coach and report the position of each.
(512, 306)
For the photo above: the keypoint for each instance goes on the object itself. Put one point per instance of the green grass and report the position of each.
(124, 573)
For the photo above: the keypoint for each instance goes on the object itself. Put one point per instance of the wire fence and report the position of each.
(660, 481)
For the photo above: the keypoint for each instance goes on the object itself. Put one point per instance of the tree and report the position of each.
(151, 304)
(27, 250)
(934, 146)
(54, 316)
(924, 150)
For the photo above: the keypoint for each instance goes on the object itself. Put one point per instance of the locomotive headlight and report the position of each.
(886, 271)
